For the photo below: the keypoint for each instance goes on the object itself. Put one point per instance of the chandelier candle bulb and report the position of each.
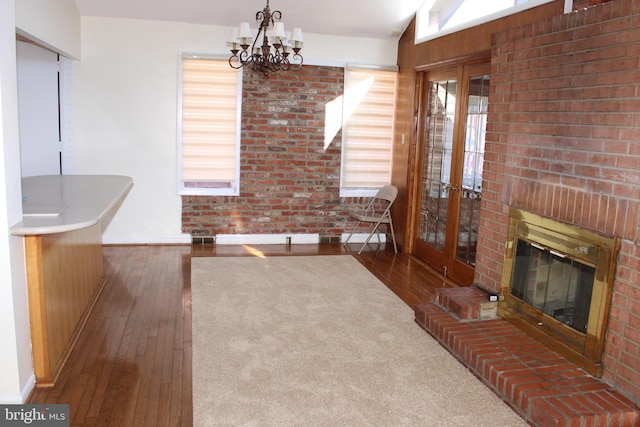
(286, 46)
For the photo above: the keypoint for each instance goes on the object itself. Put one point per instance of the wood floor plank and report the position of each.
(131, 365)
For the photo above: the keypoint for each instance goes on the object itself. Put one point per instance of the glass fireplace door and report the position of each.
(553, 283)
(557, 283)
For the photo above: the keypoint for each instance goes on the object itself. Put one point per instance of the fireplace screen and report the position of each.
(551, 282)
(556, 285)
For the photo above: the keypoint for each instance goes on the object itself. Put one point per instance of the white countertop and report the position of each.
(61, 203)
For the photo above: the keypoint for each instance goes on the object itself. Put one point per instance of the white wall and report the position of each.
(125, 96)
(54, 24)
(16, 373)
(38, 102)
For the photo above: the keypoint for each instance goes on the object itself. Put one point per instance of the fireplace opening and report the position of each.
(556, 285)
(559, 286)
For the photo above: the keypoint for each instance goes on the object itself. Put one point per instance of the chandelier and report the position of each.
(272, 50)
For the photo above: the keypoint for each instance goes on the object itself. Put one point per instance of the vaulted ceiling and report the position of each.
(381, 19)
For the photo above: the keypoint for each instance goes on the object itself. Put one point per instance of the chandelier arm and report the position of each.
(296, 65)
(285, 65)
(242, 59)
(231, 62)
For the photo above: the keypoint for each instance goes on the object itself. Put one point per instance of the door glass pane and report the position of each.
(438, 154)
(471, 192)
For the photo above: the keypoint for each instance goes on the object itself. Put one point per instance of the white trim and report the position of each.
(179, 125)
(66, 115)
(11, 399)
(239, 239)
(362, 237)
(234, 190)
(568, 6)
(28, 388)
(359, 66)
(478, 21)
(266, 239)
(279, 239)
(19, 399)
(358, 192)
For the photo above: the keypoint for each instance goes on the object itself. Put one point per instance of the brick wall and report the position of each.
(289, 180)
(563, 141)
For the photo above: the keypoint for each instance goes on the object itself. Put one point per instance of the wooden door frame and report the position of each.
(462, 68)
(442, 73)
(461, 272)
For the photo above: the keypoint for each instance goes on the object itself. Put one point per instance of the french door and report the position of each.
(451, 137)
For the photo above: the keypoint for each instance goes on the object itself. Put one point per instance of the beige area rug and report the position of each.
(319, 341)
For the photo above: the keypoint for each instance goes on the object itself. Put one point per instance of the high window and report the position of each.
(210, 98)
(367, 130)
(437, 18)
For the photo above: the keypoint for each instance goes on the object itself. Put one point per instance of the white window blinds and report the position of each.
(367, 130)
(210, 126)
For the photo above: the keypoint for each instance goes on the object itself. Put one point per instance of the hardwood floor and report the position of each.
(131, 365)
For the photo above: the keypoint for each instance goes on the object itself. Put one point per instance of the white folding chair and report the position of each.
(377, 212)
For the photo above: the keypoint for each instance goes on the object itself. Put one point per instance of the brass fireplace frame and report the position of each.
(585, 246)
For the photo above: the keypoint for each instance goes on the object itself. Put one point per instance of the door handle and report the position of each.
(451, 187)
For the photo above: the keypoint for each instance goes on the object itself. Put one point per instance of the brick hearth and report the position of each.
(540, 385)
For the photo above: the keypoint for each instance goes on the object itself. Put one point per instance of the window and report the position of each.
(367, 130)
(438, 18)
(210, 98)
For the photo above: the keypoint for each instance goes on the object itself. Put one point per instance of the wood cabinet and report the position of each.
(64, 276)
(63, 219)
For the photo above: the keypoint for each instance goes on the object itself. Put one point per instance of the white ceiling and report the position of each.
(381, 19)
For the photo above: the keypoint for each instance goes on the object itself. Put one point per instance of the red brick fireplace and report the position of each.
(563, 142)
(557, 285)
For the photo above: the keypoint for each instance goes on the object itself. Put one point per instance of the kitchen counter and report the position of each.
(61, 203)
(62, 224)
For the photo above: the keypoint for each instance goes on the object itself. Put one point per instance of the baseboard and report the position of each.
(284, 239)
(19, 399)
(28, 388)
(362, 237)
(240, 239)
(266, 239)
